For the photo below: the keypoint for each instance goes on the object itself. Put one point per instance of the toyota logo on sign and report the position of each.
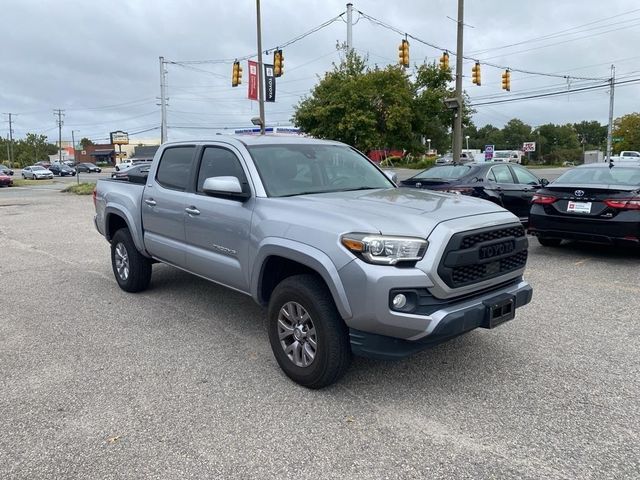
(579, 193)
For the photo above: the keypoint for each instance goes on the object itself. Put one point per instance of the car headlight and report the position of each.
(384, 250)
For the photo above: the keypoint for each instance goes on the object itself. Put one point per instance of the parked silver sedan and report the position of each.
(36, 172)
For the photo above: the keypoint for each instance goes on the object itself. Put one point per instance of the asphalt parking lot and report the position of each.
(180, 381)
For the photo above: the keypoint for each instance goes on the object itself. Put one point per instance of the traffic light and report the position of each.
(444, 61)
(278, 63)
(403, 53)
(506, 80)
(475, 74)
(236, 74)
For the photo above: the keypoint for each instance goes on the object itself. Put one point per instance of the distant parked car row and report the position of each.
(4, 170)
(5, 180)
(597, 203)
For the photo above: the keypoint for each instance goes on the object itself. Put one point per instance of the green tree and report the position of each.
(627, 128)
(367, 108)
(380, 107)
(85, 142)
(515, 133)
(591, 133)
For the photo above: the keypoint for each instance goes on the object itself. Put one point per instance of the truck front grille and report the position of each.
(473, 257)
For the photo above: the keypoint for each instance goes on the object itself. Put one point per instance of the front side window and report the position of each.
(175, 167)
(525, 177)
(219, 162)
(299, 169)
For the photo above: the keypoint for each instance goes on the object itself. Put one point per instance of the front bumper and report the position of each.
(445, 324)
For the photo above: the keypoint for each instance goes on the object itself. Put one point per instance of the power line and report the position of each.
(247, 57)
(552, 94)
(555, 34)
(437, 47)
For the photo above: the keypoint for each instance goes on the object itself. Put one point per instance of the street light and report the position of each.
(467, 138)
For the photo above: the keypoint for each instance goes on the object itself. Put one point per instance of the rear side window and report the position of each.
(219, 162)
(502, 174)
(175, 167)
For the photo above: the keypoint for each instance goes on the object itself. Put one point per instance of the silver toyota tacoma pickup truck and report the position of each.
(345, 262)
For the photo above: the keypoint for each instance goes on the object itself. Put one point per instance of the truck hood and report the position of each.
(393, 211)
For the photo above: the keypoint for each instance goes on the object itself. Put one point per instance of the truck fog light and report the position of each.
(399, 301)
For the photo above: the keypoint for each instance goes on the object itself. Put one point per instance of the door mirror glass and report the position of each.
(223, 186)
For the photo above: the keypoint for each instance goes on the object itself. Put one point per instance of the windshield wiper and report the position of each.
(358, 188)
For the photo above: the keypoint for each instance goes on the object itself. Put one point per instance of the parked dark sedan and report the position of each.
(509, 185)
(62, 170)
(135, 174)
(592, 203)
(88, 167)
(4, 170)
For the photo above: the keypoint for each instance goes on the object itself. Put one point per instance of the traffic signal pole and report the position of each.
(457, 124)
(260, 69)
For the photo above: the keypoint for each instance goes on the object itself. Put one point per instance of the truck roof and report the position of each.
(251, 140)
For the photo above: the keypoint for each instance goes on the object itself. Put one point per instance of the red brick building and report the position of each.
(97, 153)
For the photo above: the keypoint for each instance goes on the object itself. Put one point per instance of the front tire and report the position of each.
(131, 269)
(549, 242)
(308, 337)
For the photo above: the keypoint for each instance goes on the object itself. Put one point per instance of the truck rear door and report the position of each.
(163, 205)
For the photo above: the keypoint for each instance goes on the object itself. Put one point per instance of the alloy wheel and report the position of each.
(297, 334)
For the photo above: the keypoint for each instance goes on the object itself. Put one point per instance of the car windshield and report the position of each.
(601, 176)
(501, 155)
(448, 172)
(37, 168)
(295, 169)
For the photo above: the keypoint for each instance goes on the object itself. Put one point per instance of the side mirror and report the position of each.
(544, 182)
(391, 175)
(229, 186)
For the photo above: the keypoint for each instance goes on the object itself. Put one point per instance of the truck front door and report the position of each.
(218, 227)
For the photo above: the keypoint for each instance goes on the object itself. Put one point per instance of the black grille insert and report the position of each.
(473, 257)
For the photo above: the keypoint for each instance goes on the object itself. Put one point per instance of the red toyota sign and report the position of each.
(253, 80)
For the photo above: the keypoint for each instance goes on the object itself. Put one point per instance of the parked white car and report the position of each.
(36, 172)
(124, 165)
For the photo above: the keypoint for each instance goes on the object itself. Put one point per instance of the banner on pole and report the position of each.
(253, 80)
(269, 84)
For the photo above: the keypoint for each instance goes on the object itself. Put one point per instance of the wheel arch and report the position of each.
(280, 258)
(115, 219)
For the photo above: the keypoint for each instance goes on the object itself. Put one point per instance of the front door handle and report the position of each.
(192, 211)
(150, 201)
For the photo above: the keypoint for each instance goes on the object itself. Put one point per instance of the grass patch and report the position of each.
(21, 182)
(80, 188)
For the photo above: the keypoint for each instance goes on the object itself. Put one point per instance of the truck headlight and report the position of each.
(384, 250)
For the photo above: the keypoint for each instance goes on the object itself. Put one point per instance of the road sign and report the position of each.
(529, 147)
(488, 152)
(617, 139)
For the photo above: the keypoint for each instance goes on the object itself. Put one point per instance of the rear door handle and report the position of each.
(150, 201)
(192, 211)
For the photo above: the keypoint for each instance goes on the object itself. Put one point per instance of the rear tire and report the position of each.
(549, 242)
(308, 337)
(131, 269)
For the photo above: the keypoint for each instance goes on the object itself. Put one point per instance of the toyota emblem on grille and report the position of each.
(579, 193)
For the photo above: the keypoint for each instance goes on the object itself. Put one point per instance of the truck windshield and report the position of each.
(294, 169)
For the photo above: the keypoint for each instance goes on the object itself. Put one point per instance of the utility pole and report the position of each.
(349, 27)
(612, 82)
(260, 67)
(60, 114)
(457, 124)
(10, 157)
(75, 158)
(163, 102)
